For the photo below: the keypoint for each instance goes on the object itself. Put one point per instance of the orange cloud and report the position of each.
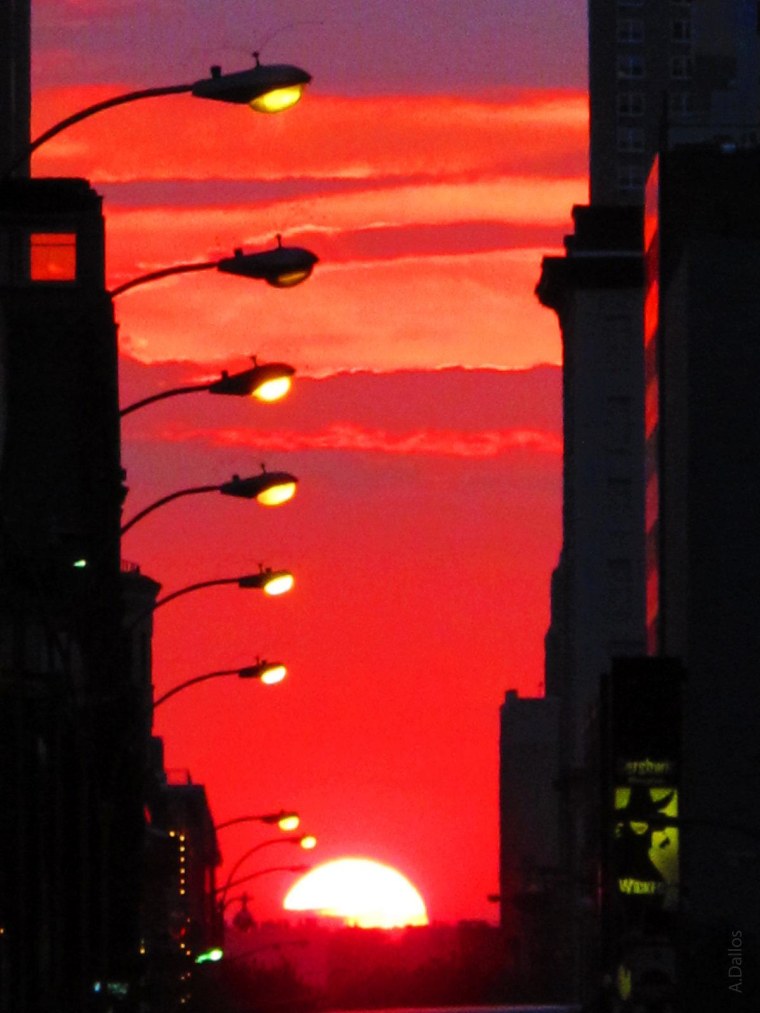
(426, 312)
(325, 137)
(145, 238)
(439, 443)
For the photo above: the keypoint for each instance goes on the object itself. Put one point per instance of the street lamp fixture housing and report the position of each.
(270, 488)
(267, 88)
(271, 582)
(268, 672)
(289, 821)
(280, 267)
(268, 382)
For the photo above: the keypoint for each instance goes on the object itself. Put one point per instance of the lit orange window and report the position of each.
(53, 256)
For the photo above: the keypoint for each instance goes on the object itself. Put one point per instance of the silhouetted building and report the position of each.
(15, 87)
(68, 862)
(703, 374)
(181, 919)
(529, 867)
(597, 601)
(662, 75)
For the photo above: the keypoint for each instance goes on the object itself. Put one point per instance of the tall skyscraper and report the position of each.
(665, 72)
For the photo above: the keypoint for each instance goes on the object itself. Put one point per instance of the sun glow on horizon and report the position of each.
(361, 891)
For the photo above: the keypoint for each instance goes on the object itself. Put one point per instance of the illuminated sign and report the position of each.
(646, 848)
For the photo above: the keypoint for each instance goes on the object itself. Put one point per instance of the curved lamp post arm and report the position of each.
(164, 272)
(192, 682)
(252, 851)
(222, 890)
(247, 581)
(97, 107)
(167, 499)
(192, 389)
(218, 582)
(263, 818)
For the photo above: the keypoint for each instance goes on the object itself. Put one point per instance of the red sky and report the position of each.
(425, 427)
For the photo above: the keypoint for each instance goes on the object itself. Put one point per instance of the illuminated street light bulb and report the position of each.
(279, 583)
(273, 674)
(289, 822)
(268, 672)
(267, 382)
(277, 101)
(273, 390)
(270, 488)
(308, 841)
(289, 279)
(272, 582)
(277, 493)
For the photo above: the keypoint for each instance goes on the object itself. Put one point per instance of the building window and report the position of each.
(630, 139)
(680, 68)
(682, 30)
(630, 67)
(630, 103)
(630, 30)
(53, 256)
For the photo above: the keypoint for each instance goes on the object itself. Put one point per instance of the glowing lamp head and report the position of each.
(289, 822)
(308, 842)
(266, 88)
(273, 390)
(267, 382)
(278, 583)
(277, 100)
(270, 488)
(276, 494)
(273, 673)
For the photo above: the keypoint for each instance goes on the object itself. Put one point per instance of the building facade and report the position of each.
(680, 78)
(665, 72)
(704, 558)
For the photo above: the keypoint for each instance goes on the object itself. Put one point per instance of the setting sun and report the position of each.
(363, 892)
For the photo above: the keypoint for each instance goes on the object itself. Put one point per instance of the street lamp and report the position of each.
(285, 819)
(281, 267)
(266, 88)
(270, 488)
(271, 582)
(268, 383)
(268, 672)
